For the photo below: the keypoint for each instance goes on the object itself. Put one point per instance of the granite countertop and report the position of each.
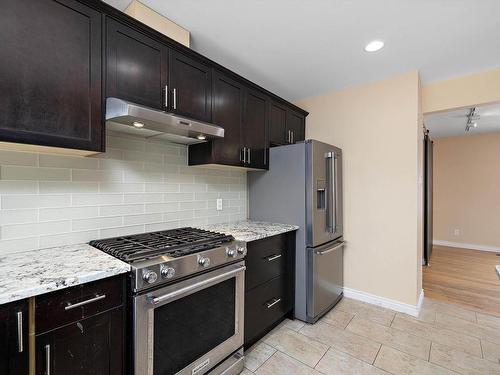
(250, 230)
(36, 272)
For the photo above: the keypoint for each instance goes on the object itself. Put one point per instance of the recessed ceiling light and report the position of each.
(374, 46)
(201, 137)
(138, 124)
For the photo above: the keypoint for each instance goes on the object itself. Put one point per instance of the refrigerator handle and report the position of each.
(331, 204)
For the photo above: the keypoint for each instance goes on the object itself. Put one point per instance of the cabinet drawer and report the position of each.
(264, 305)
(266, 259)
(69, 305)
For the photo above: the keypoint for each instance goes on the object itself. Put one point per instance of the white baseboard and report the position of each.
(412, 310)
(467, 246)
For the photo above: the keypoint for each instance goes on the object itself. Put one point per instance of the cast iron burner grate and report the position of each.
(173, 243)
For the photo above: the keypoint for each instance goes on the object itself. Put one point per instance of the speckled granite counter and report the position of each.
(35, 272)
(249, 230)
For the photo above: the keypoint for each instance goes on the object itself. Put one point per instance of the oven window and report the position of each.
(191, 326)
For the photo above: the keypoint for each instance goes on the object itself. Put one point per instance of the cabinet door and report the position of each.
(14, 338)
(51, 74)
(296, 126)
(136, 66)
(255, 129)
(228, 113)
(277, 124)
(191, 85)
(92, 346)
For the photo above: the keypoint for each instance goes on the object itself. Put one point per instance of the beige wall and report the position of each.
(460, 92)
(377, 126)
(467, 189)
(156, 21)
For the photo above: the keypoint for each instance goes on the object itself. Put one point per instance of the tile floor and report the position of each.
(359, 338)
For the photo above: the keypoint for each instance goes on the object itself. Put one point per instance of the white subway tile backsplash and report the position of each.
(18, 158)
(35, 201)
(62, 161)
(14, 172)
(48, 214)
(34, 229)
(137, 185)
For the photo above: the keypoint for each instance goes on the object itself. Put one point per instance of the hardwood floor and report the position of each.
(464, 277)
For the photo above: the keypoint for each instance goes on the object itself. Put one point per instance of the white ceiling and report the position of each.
(452, 123)
(300, 48)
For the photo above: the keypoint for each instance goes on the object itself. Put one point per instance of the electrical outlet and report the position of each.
(219, 204)
(456, 232)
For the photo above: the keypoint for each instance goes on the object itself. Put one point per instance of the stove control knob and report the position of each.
(230, 252)
(241, 250)
(204, 262)
(150, 276)
(167, 272)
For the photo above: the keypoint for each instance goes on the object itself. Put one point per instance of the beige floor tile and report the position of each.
(461, 362)
(338, 318)
(335, 362)
(427, 313)
(295, 325)
(257, 355)
(296, 345)
(282, 364)
(393, 337)
(488, 320)
(491, 351)
(246, 372)
(467, 328)
(467, 344)
(397, 362)
(449, 309)
(367, 311)
(358, 346)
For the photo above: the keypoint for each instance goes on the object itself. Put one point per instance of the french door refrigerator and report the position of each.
(304, 187)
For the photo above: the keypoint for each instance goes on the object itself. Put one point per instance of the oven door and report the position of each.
(190, 326)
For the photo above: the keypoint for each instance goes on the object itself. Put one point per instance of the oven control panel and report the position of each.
(163, 269)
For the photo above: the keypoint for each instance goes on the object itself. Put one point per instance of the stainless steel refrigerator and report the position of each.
(304, 187)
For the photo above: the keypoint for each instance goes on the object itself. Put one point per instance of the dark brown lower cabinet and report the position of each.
(14, 357)
(80, 330)
(269, 284)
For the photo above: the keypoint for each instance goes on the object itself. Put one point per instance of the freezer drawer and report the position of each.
(325, 278)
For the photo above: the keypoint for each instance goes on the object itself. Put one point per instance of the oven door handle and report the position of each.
(156, 300)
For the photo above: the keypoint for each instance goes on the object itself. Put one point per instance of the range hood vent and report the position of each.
(126, 117)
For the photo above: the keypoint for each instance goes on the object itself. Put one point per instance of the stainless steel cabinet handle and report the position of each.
(340, 244)
(20, 332)
(273, 257)
(175, 98)
(47, 359)
(242, 152)
(166, 96)
(79, 304)
(291, 136)
(289, 139)
(269, 305)
(191, 288)
(249, 153)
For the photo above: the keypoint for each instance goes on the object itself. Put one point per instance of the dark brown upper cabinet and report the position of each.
(190, 85)
(228, 96)
(277, 124)
(136, 68)
(50, 74)
(14, 357)
(286, 125)
(254, 132)
(295, 124)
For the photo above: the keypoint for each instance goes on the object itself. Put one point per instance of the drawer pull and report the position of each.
(79, 304)
(271, 304)
(273, 257)
(20, 346)
(47, 359)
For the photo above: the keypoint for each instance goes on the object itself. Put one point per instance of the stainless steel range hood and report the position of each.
(134, 119)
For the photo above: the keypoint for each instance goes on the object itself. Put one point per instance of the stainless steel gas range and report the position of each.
(187, 297)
